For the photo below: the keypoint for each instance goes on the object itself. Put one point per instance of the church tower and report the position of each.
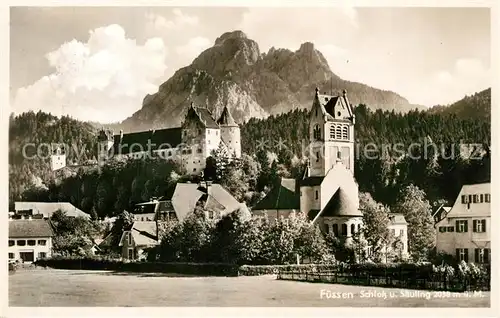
(331, 132)
(57, 158)
(230, 132)
(105, 141)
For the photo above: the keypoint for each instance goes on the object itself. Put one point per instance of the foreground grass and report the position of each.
(104, 288)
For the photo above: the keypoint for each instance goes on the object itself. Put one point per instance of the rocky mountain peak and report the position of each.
(237, 34)
(306, 47)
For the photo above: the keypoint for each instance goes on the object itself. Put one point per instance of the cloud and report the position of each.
(179, 20)
(289, 27)
(468, 76)
(193, 47)
(104, 79)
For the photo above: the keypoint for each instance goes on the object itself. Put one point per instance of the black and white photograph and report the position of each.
(241, 156)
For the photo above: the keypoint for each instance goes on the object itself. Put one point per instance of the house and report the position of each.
(465, 231)
(29, 239)
(140, 236)
(180, 201)
(46, 209)
(189, 145)
(399, 228)
(327, 193)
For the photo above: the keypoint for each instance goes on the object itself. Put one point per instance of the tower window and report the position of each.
(317, 156)
(338, 132)
(345, 132)
(316, 194)
(332, 131)
(344, 229)
(317, 132)
(352, 229)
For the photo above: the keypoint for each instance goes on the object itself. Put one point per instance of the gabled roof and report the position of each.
(29, 228)
(329, 102)
(186, 196)
(396, 218)
(138, 141)
(226, 119)
(48, 208)
(203, 115)
(284, 195)
(144, 233)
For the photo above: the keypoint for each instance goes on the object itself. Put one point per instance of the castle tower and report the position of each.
(230, 132)
(58, 157)
(105, 141)
(331, 131)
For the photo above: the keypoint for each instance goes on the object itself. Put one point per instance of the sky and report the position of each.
(98, 63)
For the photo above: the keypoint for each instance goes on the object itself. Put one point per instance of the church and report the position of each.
(327, 193)
(189, 145)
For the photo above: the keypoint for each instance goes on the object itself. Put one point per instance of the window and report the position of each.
(338, 132)
(353, 229)
(31, 242)
(209, 141)
(462, 254)
(461, 226)
(359, 227)
(393, 232)
(21, 242)
(442, 229)
(401, 233)
(344, 229)
(487, 197)
(470, 198)
(129, 238)
(317, 156)
(200, 150)
(194, 169)
(42, 255)
(11, 242)
(170, 153)
(332, 132)
(11, 255)
(451, 229)
(335, 229)
(327, 228)
(475, 198)
(345, 132)
(316, 112)
(210, 214)
(208, 131)
(316, 194)
(464, 199)
(480, 255)
(130, 253)
(479, 226)
(317, 132)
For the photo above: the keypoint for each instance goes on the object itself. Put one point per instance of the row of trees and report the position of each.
(240, 239)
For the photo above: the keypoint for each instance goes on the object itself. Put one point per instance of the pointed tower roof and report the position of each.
(226, 119)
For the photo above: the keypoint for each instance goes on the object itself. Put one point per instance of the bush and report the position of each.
(254, 270)
(103, 263)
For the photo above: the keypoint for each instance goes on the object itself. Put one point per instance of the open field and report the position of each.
(104, 288)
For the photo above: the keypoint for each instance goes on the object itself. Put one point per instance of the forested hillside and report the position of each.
(477, 106)
(284, 138)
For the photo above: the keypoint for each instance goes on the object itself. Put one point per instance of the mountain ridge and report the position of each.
(252, 84)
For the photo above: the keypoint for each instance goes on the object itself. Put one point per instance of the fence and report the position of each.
(402, 279)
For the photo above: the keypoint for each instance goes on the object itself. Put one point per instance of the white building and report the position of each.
(465, 231)
(189, 145)
(29, 239)
(327, 193)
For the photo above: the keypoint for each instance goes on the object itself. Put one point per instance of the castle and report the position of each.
(327, 193)
(189, 145)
